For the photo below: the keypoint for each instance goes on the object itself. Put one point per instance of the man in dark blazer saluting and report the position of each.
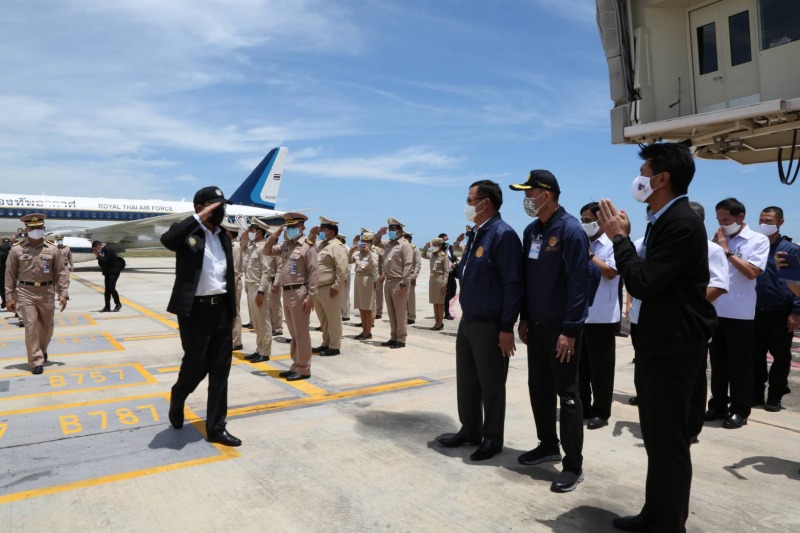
(672, 323)
(204, 298)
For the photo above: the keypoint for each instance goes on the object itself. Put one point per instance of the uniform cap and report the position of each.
(538, 179)
(407, 234)
(294, 219)
(226, 224)
(58, 237)
(34, 220)
(437, 241)
(209, 194)
(256, 223)
(395, 222)
(367, 236)
(327, 222)
(342, 238)
(20, 230)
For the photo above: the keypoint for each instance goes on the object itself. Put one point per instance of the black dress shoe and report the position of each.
(296, 376)
(286, 373)
(45, 357)
(277, 332)
(318, 349)
(238, 347)
(409, 321)
(486, 450)
(176, 415)
(458, 439)
(378, 316)
(252, 356)
(117, 308)
(260, 359)
(390, 342)
(359, 325)
(248, 325)
(105, 310)
(633, 400)
(397, 345)
(566, 481)
(318, 328)
(347, 319)
(449, 317)
(596, 423)
(771, 405)
(438, 328)
(716, 414)
(734, 422)
(632, 523)
(38, 369)
(329, 352)
(224, 438)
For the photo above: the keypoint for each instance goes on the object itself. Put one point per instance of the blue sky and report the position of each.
(389, 108)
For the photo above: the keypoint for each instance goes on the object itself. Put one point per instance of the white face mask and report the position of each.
(35, 234)
(641, 189)
(530, 206)
(470, 211)
(60, 242)
(251, 235)
(730, 229)
(769, 229)
(590, 229)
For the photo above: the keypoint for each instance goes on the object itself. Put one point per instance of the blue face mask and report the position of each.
(322, 236)
(392, 235)
(292, 233)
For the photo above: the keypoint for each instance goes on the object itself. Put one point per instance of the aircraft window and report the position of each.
(739, 29)
(707, 48)
(780, 23)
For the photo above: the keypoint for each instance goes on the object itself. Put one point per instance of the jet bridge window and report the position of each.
(707, 48)
(780, 22)
(739, 30)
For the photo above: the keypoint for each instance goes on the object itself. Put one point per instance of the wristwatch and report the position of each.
(618, 238)
(729, 254)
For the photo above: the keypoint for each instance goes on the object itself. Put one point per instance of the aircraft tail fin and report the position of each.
(260, 189)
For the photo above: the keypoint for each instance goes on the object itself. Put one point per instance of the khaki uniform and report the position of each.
(236, 250)
(440, 270)
(416, 268)
(26, 265)
(66, 258)
(398, 262)
(379, 289)
(246, 253)
(275, 305)
(366, 269)
(256, 281)
(332, 257)
(298, 280)
(348, 288)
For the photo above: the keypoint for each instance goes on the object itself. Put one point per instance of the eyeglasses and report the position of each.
(470, 200)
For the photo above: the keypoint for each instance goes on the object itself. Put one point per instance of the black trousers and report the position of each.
(664, 386)
(598, 348)
(770, 335)
(206, 337)
(549, 380)
(697, 402)
(450, 291)
(3, 286)
(111, 289)
(481, 371)
(731, 353)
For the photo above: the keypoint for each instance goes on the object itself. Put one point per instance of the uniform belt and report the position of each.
(214, 299)
(292, 287)
(36, 283)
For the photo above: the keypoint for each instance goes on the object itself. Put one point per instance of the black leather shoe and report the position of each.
(249, 325)
(296, 376)
(319, 349)
(359, 325)
(329, 352)
(449, 317)
(486, 450)
(409, 321)
(318, 328)
(397, 345)
(38, 369)
(596, 423)
(346, 319)
(694, 440)
(176, 415)
(105, 310)
(633, 400)
(390, 342)
(453, 441)
(566, 481)
(378, 316)
(632, 523)
(117, 308)
(734, 422)
(224, 438)
(277, 332)
(238, 347)
(252, 356)
(260, 359)
(286, 373)
(773, 406)
(45, 357)
(716, 414)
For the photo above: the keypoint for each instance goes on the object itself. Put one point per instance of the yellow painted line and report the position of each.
(90, 320)
(145, 311)
(327, 397)
(236, 361)
(303, 385)
(148, 380)
(113, 341)
(83, 404)
(150, 337)
(226, 453)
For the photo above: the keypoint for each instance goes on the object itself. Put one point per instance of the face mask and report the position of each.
(60, 242)
(217, 216)
(641, 189)
(322, 236)
(530, 206)
(433, 250)
(361, 245)
(35, 234)
(769, 229)
(392, 235)
(292, 233)
(251, 235)
(730, 229)
(590, 229)
(470, 211)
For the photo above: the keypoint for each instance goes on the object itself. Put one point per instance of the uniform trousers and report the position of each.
(206, 341)
(36, 307)
(348, 286)
(298, 323)
(732, 363)
(379, 297)
(3, 286)
(697, 402)
(237, 322)
(397, 306)
(550, 380)
(596, 369)
(770, 335)
(481, 372)
(260, 319)
(111, 289)
(450, 292)
(329, 312)
(411, 306)
(664, 386)
(276, 310)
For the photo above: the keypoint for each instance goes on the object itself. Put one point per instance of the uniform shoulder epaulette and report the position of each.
(310, 242)
(48, 241)
(16, 243)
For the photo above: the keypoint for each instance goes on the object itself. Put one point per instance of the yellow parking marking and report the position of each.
(150, 337)
(145, 311)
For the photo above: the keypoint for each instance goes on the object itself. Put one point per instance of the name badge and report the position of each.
(46, 267)
(536, 247)
(293, 267)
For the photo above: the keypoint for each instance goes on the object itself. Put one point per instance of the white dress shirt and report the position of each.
(718, 267)
(605, 308)
(740, 301)
(212, 275)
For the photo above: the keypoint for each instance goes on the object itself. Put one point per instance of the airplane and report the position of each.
(127, 224)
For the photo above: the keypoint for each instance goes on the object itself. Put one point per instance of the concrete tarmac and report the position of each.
(87, 445)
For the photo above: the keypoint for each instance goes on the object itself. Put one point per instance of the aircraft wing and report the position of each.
(129, 230)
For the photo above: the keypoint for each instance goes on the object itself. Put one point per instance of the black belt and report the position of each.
(292, 287)
(214, 299)
(36, 283)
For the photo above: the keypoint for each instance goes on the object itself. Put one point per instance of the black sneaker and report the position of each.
(566, 481)
(539, 455)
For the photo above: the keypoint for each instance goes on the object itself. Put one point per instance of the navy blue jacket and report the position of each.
(557, 288)
(491, 275)
(772, 294)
